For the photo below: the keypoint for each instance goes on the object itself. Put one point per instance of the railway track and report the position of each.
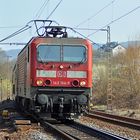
(79, 131)
(72, 130)
(119, 120)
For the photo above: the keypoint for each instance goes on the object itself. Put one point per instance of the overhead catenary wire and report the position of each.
(124, 15)
(26, 27)
(54, 9)
(36, 17)
(86, 20)
(41, 9)
(89, 29)
(84, 36)
(7, 27)
(13, 43)
(44, 5)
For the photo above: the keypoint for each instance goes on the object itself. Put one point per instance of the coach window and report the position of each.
(47, 53)
(74, 54)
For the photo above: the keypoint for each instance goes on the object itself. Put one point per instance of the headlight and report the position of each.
(82, 83)
(39, 82)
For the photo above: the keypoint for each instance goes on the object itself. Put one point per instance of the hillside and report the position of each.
(130, 43)
(125, 44)
(13, 53)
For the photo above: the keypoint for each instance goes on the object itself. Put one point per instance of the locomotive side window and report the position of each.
(47, 53)
(74, 54)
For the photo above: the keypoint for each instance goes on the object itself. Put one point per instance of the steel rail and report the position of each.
(46, 125)
(55, 130)
(119, 120)
(93, 132)
(103, 135)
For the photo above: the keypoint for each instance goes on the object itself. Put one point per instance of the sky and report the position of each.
(15, 14)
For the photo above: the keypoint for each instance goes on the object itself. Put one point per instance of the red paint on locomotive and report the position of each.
(61, 88)
(60, 77)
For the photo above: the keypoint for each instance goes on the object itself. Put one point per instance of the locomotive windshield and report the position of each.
(57, 53)
(47, 53)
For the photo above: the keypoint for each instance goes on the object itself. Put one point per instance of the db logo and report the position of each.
(61, 74)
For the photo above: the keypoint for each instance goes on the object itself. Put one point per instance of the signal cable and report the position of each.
(95, 13)
(126, 14)
(54, 9)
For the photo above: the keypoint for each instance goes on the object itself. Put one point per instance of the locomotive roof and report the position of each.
(70, 40)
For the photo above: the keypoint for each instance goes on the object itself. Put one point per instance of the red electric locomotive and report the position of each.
(53, 74)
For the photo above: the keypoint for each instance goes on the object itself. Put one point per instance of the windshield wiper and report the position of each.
(83, 58)
(82, 61)
(40, 59)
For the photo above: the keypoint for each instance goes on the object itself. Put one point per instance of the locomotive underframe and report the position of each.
(60, 103)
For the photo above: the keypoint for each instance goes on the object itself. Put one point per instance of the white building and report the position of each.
(118, 49)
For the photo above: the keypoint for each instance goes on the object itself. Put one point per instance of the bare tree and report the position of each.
(125, 79)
